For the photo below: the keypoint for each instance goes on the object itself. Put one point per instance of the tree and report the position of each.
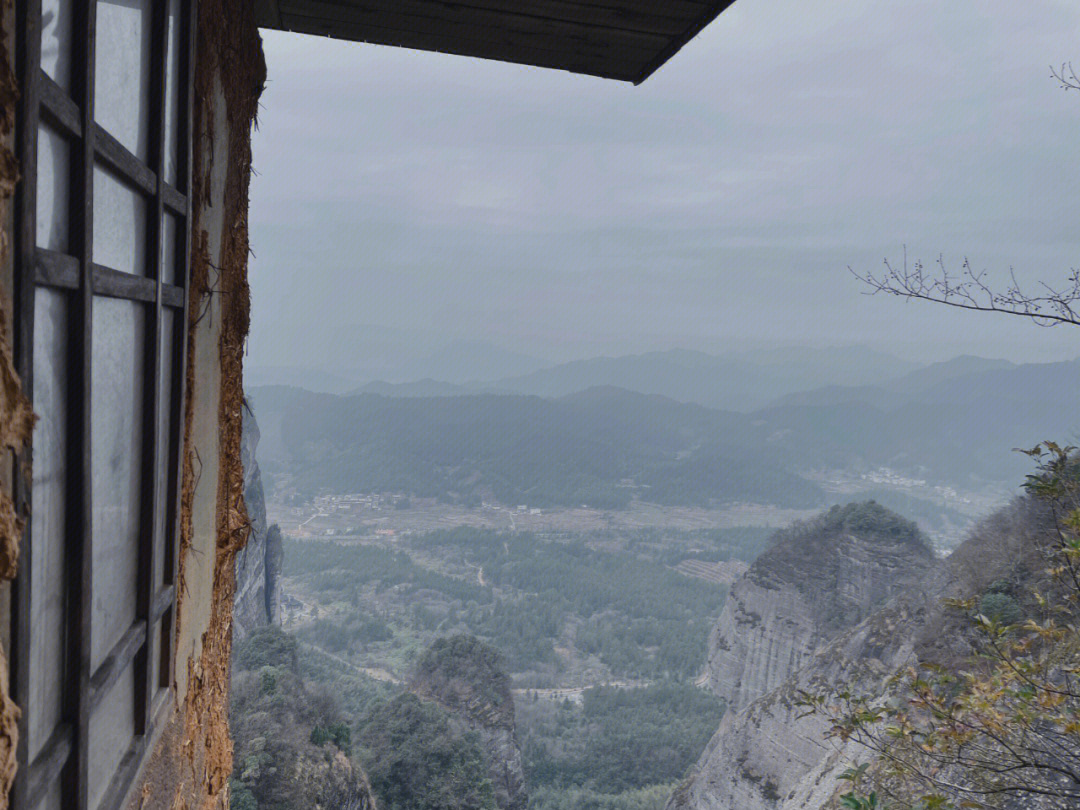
(1003, 727)
(417, 760)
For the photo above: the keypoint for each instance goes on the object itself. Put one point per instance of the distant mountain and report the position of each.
(958, 428)
(743, 381)
(270, 403)
(307, 377)
(598, 447)
(889, 394)
(421, 388)
(465, 361)
(936, 373)
(956, 424)
(735, 381)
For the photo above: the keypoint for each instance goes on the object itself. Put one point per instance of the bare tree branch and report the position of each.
(1066, 76)
(970, 289)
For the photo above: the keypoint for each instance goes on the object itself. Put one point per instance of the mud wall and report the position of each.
(192, 762)
(16, 417)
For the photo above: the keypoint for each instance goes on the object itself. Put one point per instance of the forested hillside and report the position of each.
(600, 447)
(607, 446)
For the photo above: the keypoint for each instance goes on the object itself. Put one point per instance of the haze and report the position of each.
(433, 199)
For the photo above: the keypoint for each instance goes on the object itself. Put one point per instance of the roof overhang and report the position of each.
(627, 40)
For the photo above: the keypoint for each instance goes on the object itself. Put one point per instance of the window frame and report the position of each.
(64, 756)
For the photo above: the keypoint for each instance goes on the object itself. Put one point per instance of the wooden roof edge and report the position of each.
(662, 58)
(268, 13)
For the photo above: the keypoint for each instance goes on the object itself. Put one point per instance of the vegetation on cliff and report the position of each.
(291, 736)
(1001, 725)
(465, 675)
(418, 760)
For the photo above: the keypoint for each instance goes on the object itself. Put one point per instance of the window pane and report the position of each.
(112, 729)
(53, 799)
(54, 177)
(172, 95)
(122, 72)
(164, 438)
(168, 249)
(155, 657)
(117, 369)
(119, 224)
(56, 20)
(47, 525)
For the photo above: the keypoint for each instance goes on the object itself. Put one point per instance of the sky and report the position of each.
(405, 201)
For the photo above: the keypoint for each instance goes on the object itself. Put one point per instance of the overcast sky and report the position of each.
(407, 199)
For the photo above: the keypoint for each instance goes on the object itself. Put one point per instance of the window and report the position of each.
(101, 299)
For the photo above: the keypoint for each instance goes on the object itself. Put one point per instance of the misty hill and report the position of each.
(954, 425)
(738, 381)
(600, 447)
(911, 386)
(957, 428)
(305, 376)
(742, 381)
(467, 360)
(426, 387)
(358, 355)
(924, 379)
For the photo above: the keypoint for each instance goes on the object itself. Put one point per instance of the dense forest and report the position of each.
(599, 448)
(627, 609)
(617, 746)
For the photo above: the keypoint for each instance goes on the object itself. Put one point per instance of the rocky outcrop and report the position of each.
(817, 579)
(771, 755)
(465, 677)
(258, 564)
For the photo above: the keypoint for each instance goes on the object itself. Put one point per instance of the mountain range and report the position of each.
(734, 380)
(954, 423)
(738, 381)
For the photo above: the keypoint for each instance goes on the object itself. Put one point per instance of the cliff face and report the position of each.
(258, 564)
(816, 580)
(463, 675)
(767, 755)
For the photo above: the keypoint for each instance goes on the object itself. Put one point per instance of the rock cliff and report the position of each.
(817, 579)
(768, 754)
(464, 676)
(258, 564)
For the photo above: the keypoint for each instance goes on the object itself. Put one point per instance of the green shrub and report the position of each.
(267, 681)
(1000, 607)
(417, 760)
(240, 797)
(266, 647)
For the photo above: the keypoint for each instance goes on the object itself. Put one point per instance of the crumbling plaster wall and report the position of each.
(192, 762)
(16, 416)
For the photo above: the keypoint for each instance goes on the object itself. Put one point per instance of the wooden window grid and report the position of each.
(64, 759)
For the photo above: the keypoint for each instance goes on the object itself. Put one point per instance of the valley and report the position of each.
(581, 551)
